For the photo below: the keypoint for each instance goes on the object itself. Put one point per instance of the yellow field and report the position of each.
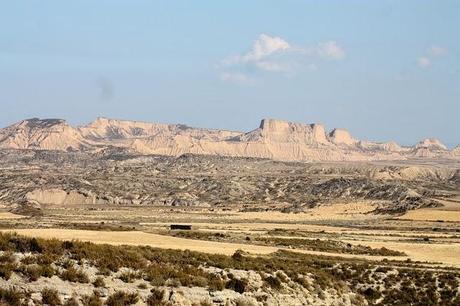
(442, 253)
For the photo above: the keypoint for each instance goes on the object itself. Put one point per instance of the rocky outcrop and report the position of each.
(273, 139)
(456, 151)
(431, 143)
(60, 197)
(47, 134)
(341, 137)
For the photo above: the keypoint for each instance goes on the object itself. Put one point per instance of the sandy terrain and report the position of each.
(8, 215)
(432, 215)
(337, 211)
(140, 238)
(442, 253)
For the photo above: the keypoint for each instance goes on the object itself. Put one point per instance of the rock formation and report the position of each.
(275, 139)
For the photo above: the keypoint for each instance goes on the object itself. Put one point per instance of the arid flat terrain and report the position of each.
(366, 230)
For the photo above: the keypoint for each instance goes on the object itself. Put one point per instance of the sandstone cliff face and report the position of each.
(275, 139)
(456, 151)
(48, 134)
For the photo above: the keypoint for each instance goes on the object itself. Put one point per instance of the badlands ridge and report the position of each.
(274, 139)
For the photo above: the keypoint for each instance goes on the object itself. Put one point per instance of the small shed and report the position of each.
(180, 227)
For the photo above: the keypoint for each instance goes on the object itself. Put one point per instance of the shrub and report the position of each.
(238, 255)
(91, 300)
(11, 297)
(142, 286)
(6, 270)
(99, 282)
(71, 302)
(50, 297)
(121, 298)
(216, 283)
(273, 282)
(156, 298)
(238, 285)
(74, 275)
(128, 276)
(33, 272)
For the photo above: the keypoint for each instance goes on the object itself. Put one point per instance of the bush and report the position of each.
(238, 285)
(33, 272)
(142, 286)
(128, 276)
(72, 302)
(156, 298)
(121, 298)
(50, 297)
(99, 282)
(273, 282)
(216, 283)
(11, 297)
(6, 270)
(74, 275)
(91, 300)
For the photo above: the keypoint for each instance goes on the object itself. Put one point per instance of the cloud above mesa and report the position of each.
(430, 55)
(275, 54)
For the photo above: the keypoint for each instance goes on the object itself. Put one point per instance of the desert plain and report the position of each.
(257, 231)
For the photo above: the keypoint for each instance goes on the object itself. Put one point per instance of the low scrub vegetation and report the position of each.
(321, 245)
(386, 282)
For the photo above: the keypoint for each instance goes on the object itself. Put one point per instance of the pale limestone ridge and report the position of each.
(341, 137)
(280, 131)
(274, 139)
(456, 151)
(431, 143)
(45, 134)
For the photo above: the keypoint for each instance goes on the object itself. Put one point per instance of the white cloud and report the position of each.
(437, 51)
(423, 62)
(275, 54)
(264, 46)
(262, 49)
(331, 50)
(430, 55)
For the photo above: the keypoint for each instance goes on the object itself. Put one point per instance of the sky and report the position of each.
(385, 70)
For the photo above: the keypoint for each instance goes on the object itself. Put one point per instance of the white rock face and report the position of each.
(275, 139)
(49, 134)
(456, 151)
(60, 197)
(431, 143)
(341, 136)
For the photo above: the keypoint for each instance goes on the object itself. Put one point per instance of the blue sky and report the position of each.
(386, 70)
